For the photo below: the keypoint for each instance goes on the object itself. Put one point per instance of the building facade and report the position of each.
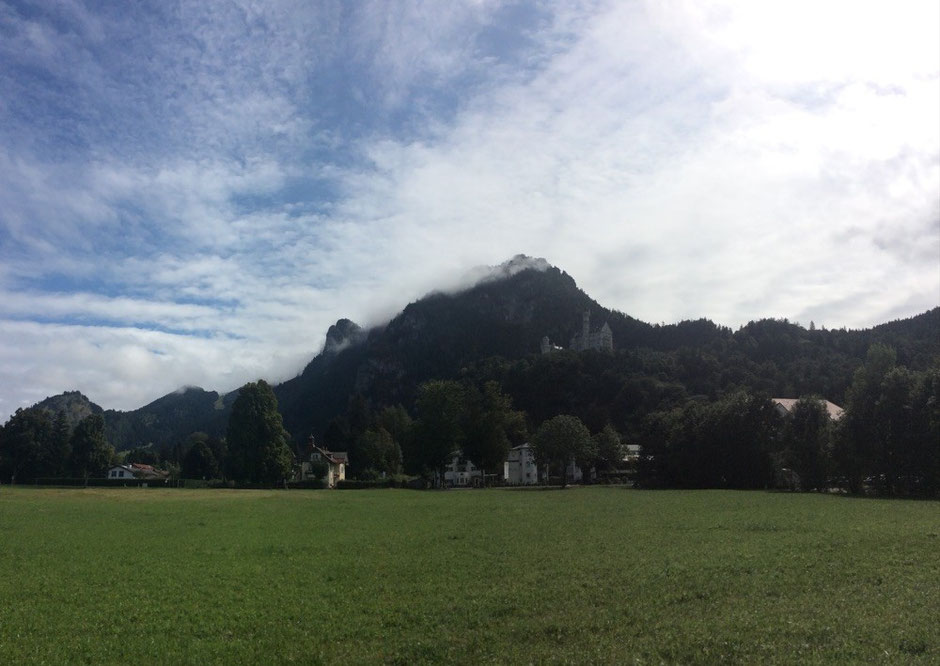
(602, 338)
(520, 468)
(332, 464)
(461, 473)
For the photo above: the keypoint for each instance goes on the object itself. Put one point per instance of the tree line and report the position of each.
(479, 422)
(35, 443)
(887, 441)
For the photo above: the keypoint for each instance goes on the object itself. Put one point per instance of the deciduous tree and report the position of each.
(806, 442)
(257, 441)
(560, 440)
(492, 427)
(438, 430)
(609, 448)
(377, 450)
(200, 462)
(24, 437)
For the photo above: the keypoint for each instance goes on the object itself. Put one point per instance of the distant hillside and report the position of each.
(73, 404)
(168, 420)
(493, 330)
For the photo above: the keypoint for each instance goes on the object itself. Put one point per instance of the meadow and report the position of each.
(584, 575)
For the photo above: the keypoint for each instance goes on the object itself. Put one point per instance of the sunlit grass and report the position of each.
(582, 575)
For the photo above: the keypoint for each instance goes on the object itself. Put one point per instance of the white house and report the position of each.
(574, 473)
(121, 472)
(460, 472)
(633, 452)
(136, 471)
(520, 468)
(335, 461)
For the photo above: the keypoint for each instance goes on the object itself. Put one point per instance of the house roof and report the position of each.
(335, 457)
(787, 404)
(140, 470)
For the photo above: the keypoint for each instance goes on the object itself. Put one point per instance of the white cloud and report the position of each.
(740, 190)
(120, 367)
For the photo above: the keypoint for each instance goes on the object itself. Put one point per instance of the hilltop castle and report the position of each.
(603, 338)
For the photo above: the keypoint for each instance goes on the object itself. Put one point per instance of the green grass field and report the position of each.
(598, 575)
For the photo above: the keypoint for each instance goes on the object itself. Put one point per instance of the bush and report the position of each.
(349, 484)
(311, 484)
(105, 483)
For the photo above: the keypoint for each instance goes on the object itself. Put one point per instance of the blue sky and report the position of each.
(191, 193)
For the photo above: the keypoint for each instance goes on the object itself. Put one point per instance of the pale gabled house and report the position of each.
(121, 472)
(459, 472)
(333, 464)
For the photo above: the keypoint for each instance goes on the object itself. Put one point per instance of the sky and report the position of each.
(192, 192)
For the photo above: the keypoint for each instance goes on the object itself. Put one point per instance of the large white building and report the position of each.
(520, 468)
(461, 472)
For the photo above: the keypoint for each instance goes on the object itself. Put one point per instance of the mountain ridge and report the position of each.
(493, 328)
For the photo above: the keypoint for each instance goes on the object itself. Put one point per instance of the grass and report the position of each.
(598, 575)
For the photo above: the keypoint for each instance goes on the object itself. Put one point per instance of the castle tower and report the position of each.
(605, 338)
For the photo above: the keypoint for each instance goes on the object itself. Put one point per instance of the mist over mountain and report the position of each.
(494, 330)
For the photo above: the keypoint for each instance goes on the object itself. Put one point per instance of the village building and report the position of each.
(573, 473)
(461, 472)
(520, 468)
(632, 453)
(136, 471)
(121, 472)
(322, 465)
(784, 407)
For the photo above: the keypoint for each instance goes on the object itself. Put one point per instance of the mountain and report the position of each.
(506, 314)
(73, 404)
(169, 420)
(494, 329)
